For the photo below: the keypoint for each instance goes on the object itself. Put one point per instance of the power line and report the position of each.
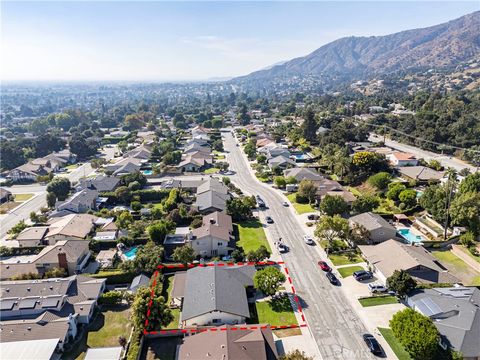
(417, 138)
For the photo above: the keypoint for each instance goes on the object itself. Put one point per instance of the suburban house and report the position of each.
(47, 309)
(393, 255)
(32, 236)
(77, 294)
(326, 185)
(140, 152)
(455, 312)
(80, 202)
(195, 147)
(38, 349)
(195, 161)
(106, 258)
(70, 227)
(71, 255)
(263, 142)
(273, 150)
(138, 282)
(280, 161)
(379, 229)
(122, 164)
(214, 237)
(420, 173)
(179, 238)
(402, 159)
(198, 141)
(303, 173)
(101, 183)
(240, 344)
(214, 295)
(5, 195)
(212, 195)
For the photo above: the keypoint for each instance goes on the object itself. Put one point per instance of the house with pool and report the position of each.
(383, 259)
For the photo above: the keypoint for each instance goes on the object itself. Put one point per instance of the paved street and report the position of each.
(445, 160)
(334, 324)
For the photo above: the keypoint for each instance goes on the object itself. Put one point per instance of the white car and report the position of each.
(377, 288)
(308, 240)
(286, 204)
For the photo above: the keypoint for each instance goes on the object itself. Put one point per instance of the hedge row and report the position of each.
(115, 276)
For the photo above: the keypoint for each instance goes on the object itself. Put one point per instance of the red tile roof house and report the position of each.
(402, 159)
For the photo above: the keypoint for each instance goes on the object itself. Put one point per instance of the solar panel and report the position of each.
(7, 304)
(27, 303)
(428, 307)
(50, 302)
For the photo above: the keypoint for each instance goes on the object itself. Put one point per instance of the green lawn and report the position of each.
(300, 208)
(251, 236)
(166, 293)
(451, 259)
(274, 312)
(71, 167)
(108, 326)
(458, 267)
(22, 197)
(397, 348)
(466, 251)
(339, 260)
(378, 300)
(212, 170)
(349, 270)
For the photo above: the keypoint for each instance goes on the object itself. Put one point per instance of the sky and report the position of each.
(165, 41)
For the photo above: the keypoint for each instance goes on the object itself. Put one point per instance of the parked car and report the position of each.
(286, 204)
(313, 217)
(260, 202)
(269, 220)
(361, 275)
(308, 240)
(377, 288)
(324, 266)
(332, 278)
(373, 345)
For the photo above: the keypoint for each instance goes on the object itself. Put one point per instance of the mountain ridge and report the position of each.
(439, 46)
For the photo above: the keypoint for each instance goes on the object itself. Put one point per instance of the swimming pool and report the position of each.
(130, 254)
(147, 172)
(410, 236)
(301, 157)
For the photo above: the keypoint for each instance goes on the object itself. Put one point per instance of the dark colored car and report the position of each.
(373, 345)
(269, 220)
(324, 266)
(332, 278)
(313, 217)
(361, 275)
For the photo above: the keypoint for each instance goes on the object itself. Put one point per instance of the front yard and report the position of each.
(348, 270)
(458, 267)
(22, 197)
(392, 341)
(340, 259)
(300, 208)
(251, 236)
(378, 300)
(212, 170)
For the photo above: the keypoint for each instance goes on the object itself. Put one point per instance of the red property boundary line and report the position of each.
(224, 328)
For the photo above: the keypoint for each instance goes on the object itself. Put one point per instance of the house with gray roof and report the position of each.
(80, 202)
(393, 255)
(455, 312)
(379, 229)
(138, 282)
(280, 161)
(303, 173)
(101, 183)
(214, 237)
(420, 173)
(214, 295)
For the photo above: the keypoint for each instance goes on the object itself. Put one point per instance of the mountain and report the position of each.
(439, 46)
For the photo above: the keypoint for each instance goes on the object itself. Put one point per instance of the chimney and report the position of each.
(212, 221)
(62, 261)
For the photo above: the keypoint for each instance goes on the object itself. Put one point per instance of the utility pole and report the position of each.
(447, 206)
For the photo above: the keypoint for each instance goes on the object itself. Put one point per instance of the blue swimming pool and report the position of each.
(147, 172)
(130, 254)
(410, 236)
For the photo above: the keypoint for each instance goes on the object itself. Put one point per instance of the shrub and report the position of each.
(111, 298)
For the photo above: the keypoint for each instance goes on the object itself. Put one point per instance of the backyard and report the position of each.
(251, 236)
(458, 267)
(300, 208)
(276, 312)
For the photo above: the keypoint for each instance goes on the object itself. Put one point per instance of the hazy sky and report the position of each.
(188, 40)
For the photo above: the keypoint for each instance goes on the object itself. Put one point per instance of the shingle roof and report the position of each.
(212, 199)
(303, 173)
(74, 225)
(34, 329)
(421, 173)
(139, 281)
(28, 350)
(370, 221)
(256, 344)
(216, 289)
(216, 224)
(100, 183)
(392, 255)
(456, 316)
(33, 233)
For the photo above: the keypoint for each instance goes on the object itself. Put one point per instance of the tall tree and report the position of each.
(309, 126)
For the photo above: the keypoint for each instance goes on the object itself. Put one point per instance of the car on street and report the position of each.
(286, 204)
(332, 278)
(260, 202)
(313, 217)
(282, 248)
(361, 275)
(324, 266)
(377, 288)
(269, 220)
(308, 240)
(373, 345)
